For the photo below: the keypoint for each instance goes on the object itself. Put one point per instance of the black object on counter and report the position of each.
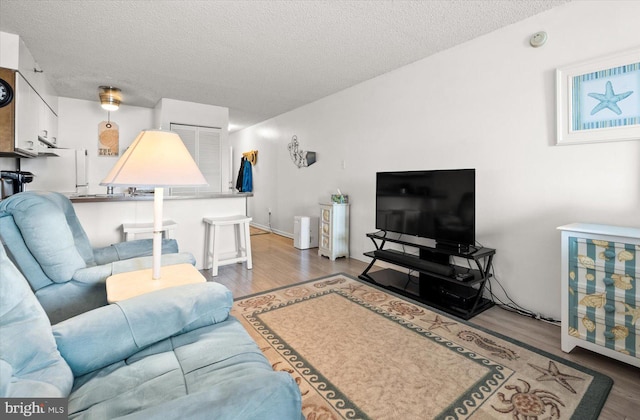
(12, 182)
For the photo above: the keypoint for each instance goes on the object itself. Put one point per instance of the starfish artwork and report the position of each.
(554, 374)
(609, 100)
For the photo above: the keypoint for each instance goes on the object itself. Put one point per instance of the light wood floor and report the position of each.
(277, 263)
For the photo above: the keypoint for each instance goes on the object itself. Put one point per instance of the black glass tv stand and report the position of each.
(435, 278)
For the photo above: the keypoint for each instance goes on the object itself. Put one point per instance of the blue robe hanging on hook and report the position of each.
(244, 183)
(247, 177)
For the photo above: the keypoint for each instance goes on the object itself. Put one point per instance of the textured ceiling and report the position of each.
(258, 58)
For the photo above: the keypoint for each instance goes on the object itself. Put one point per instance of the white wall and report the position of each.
(78, 128)
(78, 122)
(189, 113)
(8, 163)
(168, 111)
(488, 104)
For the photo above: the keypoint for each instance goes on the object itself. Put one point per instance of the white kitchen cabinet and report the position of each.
(36, 76)
(48, 126)
(36, 123)
(27, 117)
(32, 118)
(43, 104)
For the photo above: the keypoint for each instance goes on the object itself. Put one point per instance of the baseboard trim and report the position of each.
(276, 231)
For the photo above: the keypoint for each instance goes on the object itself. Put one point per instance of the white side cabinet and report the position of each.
(334, 230)
(600, 292)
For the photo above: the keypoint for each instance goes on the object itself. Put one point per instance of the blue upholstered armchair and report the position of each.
(44, 238)
(171, 354)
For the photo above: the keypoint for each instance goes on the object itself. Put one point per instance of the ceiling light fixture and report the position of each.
(110, 98)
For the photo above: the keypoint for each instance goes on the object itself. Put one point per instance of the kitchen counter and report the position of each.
(102, 198)
(102, 217)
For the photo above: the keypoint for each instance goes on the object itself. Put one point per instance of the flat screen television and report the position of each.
(437, 204)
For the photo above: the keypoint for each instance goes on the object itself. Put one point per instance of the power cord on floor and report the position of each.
(511, 305)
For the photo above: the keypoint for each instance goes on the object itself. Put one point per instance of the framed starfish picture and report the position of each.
(599, 100)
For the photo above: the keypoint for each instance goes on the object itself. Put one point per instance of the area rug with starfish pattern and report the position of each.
(361, 352)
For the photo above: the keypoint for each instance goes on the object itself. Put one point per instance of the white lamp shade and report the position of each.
(156, 158)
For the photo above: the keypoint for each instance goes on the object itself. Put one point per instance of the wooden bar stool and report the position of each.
(212, 234)
(129, 230)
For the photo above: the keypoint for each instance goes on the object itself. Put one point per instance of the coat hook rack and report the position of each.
(251, 156)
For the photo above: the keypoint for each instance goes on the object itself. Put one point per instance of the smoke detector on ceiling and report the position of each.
(538, 39)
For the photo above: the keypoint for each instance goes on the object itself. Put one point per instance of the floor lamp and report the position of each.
(156, 159)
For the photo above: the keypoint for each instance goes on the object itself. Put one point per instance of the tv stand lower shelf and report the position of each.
(407, 285)
(457, 290)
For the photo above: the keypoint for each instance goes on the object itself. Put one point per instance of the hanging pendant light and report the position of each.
(110, 98)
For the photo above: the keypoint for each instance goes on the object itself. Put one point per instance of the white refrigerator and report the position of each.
(65, 173)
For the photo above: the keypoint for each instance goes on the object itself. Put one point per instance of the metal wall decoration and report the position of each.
(299, 157)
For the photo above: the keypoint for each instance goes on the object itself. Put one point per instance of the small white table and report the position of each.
(134, 283)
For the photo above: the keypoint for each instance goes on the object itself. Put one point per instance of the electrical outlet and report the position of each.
(269, 210)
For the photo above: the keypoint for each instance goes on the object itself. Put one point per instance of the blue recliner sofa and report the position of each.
(171, 354)
(45, 240)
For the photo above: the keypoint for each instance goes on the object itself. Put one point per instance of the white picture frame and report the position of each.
(599, 100)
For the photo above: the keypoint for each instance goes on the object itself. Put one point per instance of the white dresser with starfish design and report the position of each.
(600, 293)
